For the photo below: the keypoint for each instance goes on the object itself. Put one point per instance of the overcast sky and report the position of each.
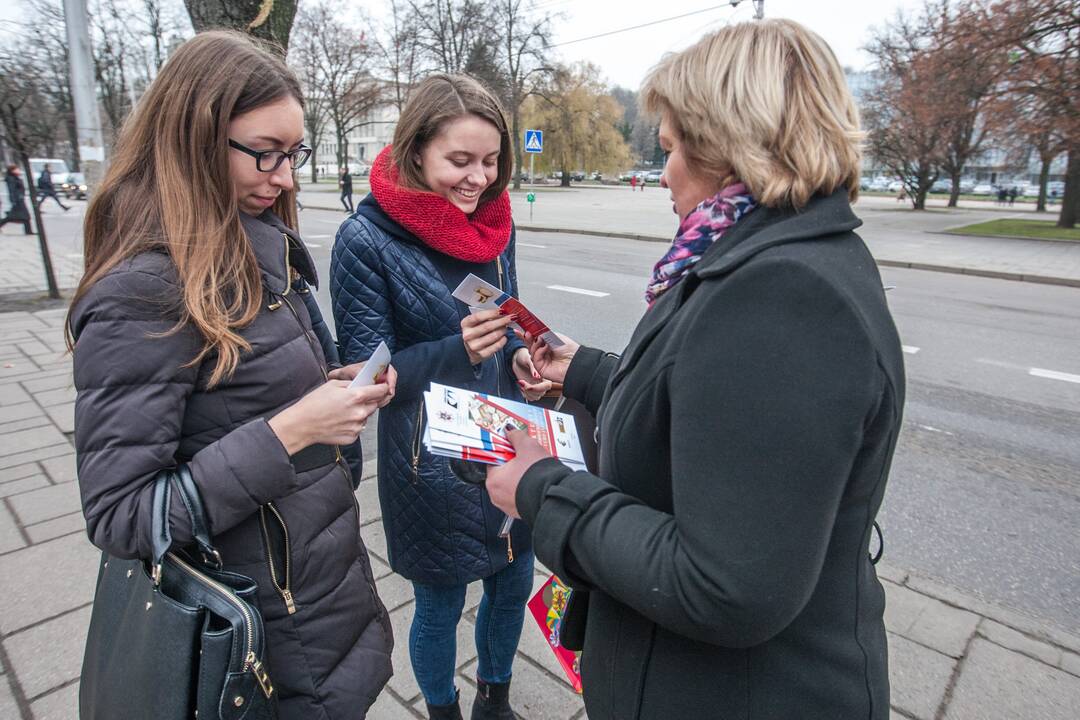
(625, 57)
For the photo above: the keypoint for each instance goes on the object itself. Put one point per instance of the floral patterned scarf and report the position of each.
(699, 230)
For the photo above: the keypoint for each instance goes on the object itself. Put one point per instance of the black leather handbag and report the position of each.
(179, 638)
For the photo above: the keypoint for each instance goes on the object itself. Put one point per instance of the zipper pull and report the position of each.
(416, 468)
(509, 549)
(289, 604)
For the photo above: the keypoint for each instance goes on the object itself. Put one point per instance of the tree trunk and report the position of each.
(564, 181)
(515, 132)
(954, 191)
(1044, 178)
(269, 20)
(43, 243)
(1071, 200)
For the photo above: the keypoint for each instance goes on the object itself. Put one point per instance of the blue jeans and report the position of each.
(433, 636)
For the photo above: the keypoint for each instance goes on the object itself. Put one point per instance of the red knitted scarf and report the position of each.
(437, 222)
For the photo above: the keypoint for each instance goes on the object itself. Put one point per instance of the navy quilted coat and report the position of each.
(290, 523)
(387, 285)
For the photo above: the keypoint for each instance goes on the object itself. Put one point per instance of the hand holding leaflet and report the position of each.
(373, 368)
(478, 293)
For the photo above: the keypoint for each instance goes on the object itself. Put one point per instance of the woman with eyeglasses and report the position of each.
(196, 341)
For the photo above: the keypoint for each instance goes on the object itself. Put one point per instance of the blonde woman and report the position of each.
(746, 432)
(194, 342)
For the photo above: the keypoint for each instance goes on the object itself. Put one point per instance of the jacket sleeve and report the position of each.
(132, 388)
(768, 395)
(364, 314)
(588, 375)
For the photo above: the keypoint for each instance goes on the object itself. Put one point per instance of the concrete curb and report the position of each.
(1003, 237)
(977, 272)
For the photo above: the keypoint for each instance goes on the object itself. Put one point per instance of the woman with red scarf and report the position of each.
(438, 211)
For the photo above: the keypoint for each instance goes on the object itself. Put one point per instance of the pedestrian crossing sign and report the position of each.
(534, 141)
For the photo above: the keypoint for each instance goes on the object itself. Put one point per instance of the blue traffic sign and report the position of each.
(534, 141)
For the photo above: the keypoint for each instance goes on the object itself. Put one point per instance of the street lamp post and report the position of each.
(84, 92)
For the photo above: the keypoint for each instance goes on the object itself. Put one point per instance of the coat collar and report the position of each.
(762, 229)
(768, 227)
(277, 248)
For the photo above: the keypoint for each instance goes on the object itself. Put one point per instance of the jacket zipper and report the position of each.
(416, 442)
(251, 662)
(498, 389)
(284, 590)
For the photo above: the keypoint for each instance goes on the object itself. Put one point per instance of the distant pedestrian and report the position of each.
(641, 183)
(46, 188)
(633, 183)
(345, 183)
(902, 195)
(1002, 195)
(1013, 192)
(17, 196)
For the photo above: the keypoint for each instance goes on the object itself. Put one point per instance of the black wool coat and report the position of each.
(17, 195)
(745, 438)
(290, 523)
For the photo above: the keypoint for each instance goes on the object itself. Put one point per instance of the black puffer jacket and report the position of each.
(289, 523)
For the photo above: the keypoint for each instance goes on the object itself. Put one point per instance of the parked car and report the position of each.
(577, 176)
(879, 184)
(983, 189)
(895, 186)
(941, 186)
(653, 176)
(73, 186)
(1055, 189)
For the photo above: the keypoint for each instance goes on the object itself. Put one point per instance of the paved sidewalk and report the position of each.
(952, 656)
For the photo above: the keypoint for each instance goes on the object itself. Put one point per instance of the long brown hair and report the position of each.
(168, 188)
(438, 99)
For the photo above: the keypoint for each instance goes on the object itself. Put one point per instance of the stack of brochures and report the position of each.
(470, 425)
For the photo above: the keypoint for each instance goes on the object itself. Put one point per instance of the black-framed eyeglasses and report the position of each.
(270, 160)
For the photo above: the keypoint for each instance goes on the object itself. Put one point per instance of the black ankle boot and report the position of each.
(492, 701)
(445, 712)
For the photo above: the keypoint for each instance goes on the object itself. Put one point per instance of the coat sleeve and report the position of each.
(132, 388)
(767, 399)
(364, 314)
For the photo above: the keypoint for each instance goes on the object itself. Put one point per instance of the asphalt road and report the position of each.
(985, 489)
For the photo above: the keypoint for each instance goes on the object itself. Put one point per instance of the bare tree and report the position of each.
(402, 56)
(1042, 41)
(448, 31)
(902, 114)
(269, 20)
(340, 75)
(524, 38)
(113, 50)
(49, 45)
(27, 121)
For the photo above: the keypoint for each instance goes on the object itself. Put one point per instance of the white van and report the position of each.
(57, 167)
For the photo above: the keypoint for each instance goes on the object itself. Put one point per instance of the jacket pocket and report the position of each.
(275, 534)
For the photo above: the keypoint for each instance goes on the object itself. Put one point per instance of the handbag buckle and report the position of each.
(261, 676)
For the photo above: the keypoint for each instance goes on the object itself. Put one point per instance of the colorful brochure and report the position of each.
(472, 426)
(547, 607)
(477, 293)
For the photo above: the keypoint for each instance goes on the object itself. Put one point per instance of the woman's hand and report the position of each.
(331, 414)
(502, 480)
(484, 334)
(550, 362)
(348, 372)
(533, 387)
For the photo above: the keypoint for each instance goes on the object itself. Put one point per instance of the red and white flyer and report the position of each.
(478, 293)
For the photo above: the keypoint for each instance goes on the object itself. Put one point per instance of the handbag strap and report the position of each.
(160, 529)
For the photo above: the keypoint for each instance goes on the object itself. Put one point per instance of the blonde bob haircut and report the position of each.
(764, 102)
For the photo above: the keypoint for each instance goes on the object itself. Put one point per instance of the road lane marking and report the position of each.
(577, 291)
(313, 245)
(910, 349)
(320, 237)
(1054, 375)
(534, 245)
(934, 429)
